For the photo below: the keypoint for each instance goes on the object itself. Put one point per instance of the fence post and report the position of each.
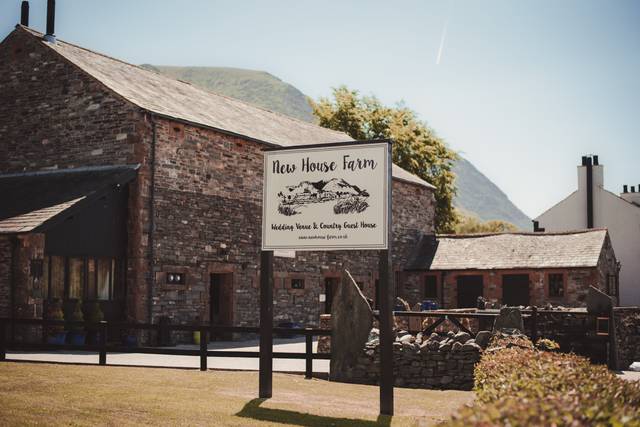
(3, 345)
(102, 359)
(613, 342)
(534, 324)
(308, 373)
(204, 339)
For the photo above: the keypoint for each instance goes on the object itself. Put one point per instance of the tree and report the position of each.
(416, 147)
(470, 224)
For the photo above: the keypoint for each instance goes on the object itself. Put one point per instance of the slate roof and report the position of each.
(35, 198)
(176, 99)
(509, 251)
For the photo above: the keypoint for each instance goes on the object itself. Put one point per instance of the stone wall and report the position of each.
(54, 116)
(208, 210)
(5, 275)
(207, 193)
(435, 363)
(627, 321)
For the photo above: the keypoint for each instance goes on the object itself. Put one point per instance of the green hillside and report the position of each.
(476, 193)
(256, 87)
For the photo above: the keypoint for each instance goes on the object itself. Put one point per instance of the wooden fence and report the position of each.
(104, 346)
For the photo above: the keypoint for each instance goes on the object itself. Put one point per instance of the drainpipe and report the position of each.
(152, 220)
(12, 284)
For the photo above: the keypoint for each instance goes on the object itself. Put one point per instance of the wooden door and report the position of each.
(469, 289)
(330, 287)
(221, 302)
(515, 289)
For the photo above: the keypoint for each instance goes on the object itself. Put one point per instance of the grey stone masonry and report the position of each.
(435, 363)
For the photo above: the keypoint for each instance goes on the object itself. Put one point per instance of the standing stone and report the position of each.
(351, 321)
(482, 338)
(509, 321)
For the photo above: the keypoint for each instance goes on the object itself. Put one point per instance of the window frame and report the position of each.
(115, 266)
(563, 277)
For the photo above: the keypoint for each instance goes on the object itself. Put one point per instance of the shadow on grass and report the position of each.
(253, 410)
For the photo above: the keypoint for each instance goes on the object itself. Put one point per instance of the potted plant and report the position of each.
(95, 315)
(55, 333)
(77, 333)
(128, 336)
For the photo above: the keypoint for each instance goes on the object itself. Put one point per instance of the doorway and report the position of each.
(469, 289)
(221, 304)
(515, 289)
(330, 287)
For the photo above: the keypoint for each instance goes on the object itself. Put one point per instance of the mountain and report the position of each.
(477, 195)
(256, 87)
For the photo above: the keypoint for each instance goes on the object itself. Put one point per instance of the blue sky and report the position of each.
(523, 88)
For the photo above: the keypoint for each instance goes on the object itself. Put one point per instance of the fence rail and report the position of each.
(103, 347)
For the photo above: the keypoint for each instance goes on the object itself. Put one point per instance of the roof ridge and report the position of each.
(37, 33)
(70, 170)
(522, 233)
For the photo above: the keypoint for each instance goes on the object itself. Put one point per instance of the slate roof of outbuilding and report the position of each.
(34, 198)
(509, 251)
(176, 99)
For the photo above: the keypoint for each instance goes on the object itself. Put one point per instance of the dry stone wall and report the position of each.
(439, 362)
(627, 335)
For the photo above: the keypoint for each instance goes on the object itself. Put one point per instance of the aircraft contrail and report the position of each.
(444, 35)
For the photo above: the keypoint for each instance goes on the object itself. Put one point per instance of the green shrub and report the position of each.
(522, 387)
(54, 312)
(77, 316)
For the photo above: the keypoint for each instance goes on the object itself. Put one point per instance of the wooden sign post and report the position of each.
(328, 197)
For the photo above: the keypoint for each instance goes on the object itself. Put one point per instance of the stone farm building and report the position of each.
(123, 186)
(513, 268)
(142, 193)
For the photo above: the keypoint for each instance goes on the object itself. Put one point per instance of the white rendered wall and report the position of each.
(620, 217)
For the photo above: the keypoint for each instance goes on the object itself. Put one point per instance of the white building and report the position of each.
(593, 206)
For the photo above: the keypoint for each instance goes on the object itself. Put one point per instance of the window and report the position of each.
(56, 286)
(105, 273)
(91, 279)
(76, 278)
(556, 285)
(431, 287)
(612, 285)
(297, 283)
(83, 278)
(45, 277)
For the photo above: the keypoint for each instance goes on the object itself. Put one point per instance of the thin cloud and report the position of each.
(444, 35)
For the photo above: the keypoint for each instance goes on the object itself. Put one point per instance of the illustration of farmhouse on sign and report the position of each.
(347, 198)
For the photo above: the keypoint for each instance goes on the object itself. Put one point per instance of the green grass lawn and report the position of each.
(50, 394)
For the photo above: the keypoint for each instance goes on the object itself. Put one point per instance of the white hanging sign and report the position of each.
(326, 197)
